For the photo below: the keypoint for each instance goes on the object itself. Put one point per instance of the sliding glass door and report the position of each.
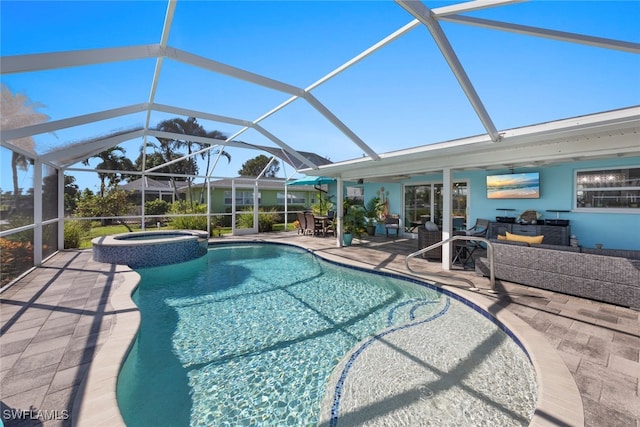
(423, 202)
(417, 206)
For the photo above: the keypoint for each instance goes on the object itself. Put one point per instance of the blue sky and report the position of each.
(404, 95)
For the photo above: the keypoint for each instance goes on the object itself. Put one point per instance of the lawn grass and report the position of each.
(104, 230)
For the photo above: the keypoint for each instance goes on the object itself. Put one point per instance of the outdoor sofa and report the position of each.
(608, 275)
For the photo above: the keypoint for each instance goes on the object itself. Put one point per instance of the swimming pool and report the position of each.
(263, 334)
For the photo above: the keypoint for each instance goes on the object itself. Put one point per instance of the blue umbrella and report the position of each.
(316, 181)
(313, 180)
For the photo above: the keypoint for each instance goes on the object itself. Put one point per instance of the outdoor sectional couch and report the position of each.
(607, 275)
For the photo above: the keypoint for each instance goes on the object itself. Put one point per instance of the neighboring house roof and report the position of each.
(148, 184)
(249, 182)
(287, 157)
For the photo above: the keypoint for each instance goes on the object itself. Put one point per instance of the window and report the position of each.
(243, 198)
(295, 198)
(356, 195)
(608, 189)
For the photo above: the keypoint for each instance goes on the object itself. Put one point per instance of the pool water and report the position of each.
(250, 334)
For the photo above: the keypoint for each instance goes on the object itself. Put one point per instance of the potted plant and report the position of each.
(372, 212)
(353, 223)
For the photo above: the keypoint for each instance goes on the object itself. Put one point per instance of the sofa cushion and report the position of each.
(431, 226)
(508, 242)
(526, 239)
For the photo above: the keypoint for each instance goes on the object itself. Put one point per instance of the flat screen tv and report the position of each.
(514, 186)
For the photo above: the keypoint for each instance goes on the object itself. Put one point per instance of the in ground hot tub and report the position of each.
(150, 248)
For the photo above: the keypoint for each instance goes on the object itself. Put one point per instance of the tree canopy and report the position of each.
(111, 160)
(189, 127)
(253, 167)
(19, 111)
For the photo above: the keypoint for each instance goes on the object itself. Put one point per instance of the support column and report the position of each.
(37, 213)
(256, 205)
(233, 207)
(339, 211)
(143, 193)
(208, 187)
(447, 226)
(60, 209)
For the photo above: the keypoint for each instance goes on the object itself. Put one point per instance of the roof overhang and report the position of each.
(604, 135)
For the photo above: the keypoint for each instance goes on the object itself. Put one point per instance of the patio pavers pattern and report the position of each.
(55, 319)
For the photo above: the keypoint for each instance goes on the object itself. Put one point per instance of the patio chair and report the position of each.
(428, 235)
(464, 249)
(314, 227)
(479, 229)
(330, 223)
(458, 223)
(392, 223)
(302, 229)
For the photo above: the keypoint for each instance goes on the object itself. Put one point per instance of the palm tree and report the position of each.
(214, 134)
(18, 111)
(111, 161)
(186, 127)
(169, 146)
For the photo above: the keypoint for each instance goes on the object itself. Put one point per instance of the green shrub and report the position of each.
(266, 219)
(189, 222)
(156, 207)
(74, 231)
(16, 221)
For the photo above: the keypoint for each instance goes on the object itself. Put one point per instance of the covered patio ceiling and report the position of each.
(601, 134)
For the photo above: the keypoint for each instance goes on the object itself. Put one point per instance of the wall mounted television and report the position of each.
(514, 186)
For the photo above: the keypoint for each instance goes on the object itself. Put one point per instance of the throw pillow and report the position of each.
(431, 226)
(525, 239)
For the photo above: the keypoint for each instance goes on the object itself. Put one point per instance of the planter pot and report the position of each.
(347, 238)
(371, 230)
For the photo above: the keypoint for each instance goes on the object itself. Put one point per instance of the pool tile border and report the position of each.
(164, 248)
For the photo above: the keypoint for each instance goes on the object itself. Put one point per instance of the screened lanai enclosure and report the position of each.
(168, 101)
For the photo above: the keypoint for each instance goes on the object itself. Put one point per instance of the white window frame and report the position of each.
(604, 209)
(295, 198)
(245, 197)
(355, 192)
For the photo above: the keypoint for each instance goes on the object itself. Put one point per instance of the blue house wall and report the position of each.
(619, 230)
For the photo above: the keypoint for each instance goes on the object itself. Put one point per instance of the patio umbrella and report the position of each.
(313, 180)
(316, 181)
